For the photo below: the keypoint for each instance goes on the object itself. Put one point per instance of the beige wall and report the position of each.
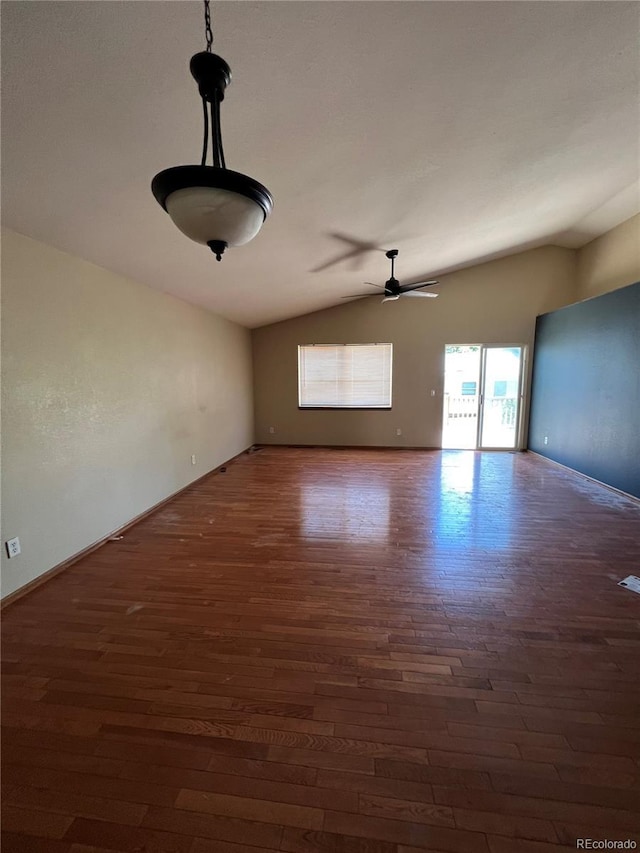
(495, 302)
(610, 261)
(108, 388)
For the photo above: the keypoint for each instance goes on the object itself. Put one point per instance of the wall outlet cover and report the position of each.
(13, 547)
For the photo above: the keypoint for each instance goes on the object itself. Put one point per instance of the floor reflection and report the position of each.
(475, 501)
(349, 511)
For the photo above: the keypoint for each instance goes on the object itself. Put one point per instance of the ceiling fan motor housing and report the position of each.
(393, 289)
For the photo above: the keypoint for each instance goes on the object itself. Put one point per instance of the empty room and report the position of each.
(320, 444)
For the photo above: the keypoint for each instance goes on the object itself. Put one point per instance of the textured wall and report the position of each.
(495, 302)
(586, 388)
(108, 388)
(610, 261)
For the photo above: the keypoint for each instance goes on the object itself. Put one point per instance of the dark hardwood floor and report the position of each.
(354, 651)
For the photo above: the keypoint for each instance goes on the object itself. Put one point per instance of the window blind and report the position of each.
(345, 376)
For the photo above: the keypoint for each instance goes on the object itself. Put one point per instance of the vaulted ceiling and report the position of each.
(454, 131)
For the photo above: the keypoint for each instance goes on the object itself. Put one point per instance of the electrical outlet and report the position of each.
(546, 439)
(193, 458)
(13, 547)
(398, 431)
(272, 430)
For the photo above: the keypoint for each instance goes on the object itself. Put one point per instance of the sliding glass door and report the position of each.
(483, 395)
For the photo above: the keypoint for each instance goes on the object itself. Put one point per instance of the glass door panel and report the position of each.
(461, 396)
(500, 397)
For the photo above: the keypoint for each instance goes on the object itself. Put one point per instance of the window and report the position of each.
(344, 376)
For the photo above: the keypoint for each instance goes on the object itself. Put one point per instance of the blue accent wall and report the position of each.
(585, 396)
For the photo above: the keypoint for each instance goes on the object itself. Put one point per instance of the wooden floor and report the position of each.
(354, 651)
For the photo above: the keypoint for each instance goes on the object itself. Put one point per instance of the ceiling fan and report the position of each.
(393, 289)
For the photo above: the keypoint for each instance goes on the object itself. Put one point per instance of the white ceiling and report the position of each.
(454, 131)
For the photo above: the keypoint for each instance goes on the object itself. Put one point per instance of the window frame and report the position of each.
(385, 408)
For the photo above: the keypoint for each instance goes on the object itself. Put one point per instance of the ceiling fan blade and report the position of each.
(381, 286)
(358, 296)
(406, 287)
(415, 293)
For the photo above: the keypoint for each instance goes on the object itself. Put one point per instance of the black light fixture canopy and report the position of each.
(212, 204)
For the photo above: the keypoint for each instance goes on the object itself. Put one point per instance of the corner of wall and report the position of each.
(610, 261)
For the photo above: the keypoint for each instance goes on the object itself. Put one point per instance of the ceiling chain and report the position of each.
(207, 25)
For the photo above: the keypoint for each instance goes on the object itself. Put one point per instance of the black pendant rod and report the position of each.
(212, 81)
(392, 254)
(216, 141)
(205, 144)
(213, 75)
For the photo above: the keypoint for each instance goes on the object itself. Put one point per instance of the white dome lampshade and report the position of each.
(211, 204)
(200, 212)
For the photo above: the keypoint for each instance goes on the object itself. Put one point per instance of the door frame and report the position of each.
(521, 396)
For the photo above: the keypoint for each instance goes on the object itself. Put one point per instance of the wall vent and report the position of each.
(632, 583)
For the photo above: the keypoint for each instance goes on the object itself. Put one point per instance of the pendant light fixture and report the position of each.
(211, 204)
